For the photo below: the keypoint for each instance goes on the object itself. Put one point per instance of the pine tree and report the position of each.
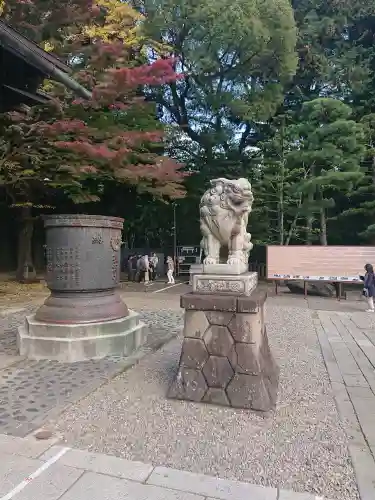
(331, 146)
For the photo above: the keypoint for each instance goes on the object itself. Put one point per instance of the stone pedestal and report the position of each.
(194, 269)
(84, 317)
(225, 357)
(73, 342)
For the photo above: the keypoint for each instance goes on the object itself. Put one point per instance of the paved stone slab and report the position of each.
(368, 428)
(355, 400)
(51, 484)
(8, 360)
(361, 392)
(357, 348)
(355, 380)
(14, 469)
(360, 337)
(349, 418)
(366, 407)
(27, 447)
(329, 358)
(98, 487)
(200, 484)
(51, 452)
(103, 464)
(291, 495)
(364, 466)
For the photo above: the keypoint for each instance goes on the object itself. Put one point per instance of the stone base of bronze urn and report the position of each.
(72, 342)
(225, 358)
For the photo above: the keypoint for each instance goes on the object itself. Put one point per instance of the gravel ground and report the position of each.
(302, 446)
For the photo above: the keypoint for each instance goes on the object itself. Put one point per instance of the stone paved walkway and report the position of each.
(348, 346)
(33, 391)
(32, 469)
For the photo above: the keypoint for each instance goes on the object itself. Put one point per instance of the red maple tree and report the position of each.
(72, 145)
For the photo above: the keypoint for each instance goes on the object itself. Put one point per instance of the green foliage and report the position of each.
(236, 56)
(283, 95)
(305, 164)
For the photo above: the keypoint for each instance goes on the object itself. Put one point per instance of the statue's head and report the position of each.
(238, 193)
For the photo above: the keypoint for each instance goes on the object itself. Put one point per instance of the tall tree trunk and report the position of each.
(310, 217)
(323, 227)
(280, 215)
(25, 267)
(309, 221)
(281, 188)
(292, 228)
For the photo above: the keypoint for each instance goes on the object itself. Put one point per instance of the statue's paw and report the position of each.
(209, 260)
(234, 261)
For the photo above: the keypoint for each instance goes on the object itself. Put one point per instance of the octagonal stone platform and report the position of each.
(80, 342)
(225, 358)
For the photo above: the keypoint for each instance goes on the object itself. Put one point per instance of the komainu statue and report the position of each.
(224, 212)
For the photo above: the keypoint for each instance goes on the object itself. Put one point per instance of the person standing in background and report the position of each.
(140, 268)
(130, 267)
(134, 267)
(153, 265)
(146, 265)
(369, 287)
(170, 270)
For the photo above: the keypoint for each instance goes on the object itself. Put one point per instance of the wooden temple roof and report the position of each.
(24, 66)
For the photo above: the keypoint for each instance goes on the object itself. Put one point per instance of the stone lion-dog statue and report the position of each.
(224, 211)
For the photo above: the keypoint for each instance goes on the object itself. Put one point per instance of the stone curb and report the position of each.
(75, 474)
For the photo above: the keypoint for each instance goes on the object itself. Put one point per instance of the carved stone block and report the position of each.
(246, 358)
(233, 363)
(216, 396)
(246, 327)
(218, 340)
(218, 317)
(196, 323)
(194, 353)
(217, 371)
(242, 284)
(249, 391)
(189, 384)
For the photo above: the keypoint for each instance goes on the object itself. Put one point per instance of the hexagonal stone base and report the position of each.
(79, 342)
(226, 359)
